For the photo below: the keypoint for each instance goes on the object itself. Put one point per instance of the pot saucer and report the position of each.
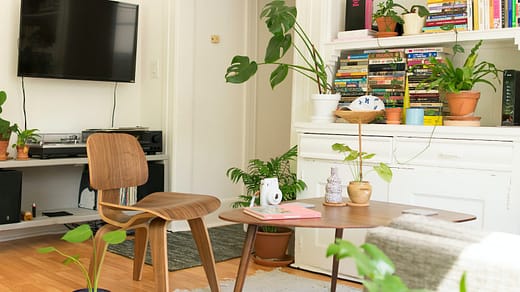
(286, 260)
(385, 34)
(351, 204)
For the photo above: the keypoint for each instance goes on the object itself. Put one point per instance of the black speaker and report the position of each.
(10, 196)
(511, 98)
(87, 197)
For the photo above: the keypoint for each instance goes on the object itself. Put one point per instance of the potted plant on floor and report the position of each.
(280, 20)
(458, 82)
(22, 149)
(358, 189)
(5, 129)
(80, 234)
(289, 184)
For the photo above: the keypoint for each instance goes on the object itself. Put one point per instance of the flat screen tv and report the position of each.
(78, 39)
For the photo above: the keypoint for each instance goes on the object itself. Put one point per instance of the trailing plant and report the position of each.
(280, 20)
(24, 136)
(415, 8)
(257, 170)
(80, 234)
(447, 77)
(375, 267)
(355, 160)
(5, 126)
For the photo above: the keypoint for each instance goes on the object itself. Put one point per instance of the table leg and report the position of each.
(335, 262)
(246, 256)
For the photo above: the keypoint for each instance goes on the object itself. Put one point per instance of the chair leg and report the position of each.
(96, 261)
(201, 237)
(140, 245)
(159, 255)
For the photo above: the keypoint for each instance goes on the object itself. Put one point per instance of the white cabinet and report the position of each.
(460, 169)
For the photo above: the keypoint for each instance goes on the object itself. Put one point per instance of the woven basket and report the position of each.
(363, 117)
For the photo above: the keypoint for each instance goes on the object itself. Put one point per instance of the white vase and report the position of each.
(413, 23)
(324, 106)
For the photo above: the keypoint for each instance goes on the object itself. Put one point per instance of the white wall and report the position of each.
(58, 106)
(208, 125)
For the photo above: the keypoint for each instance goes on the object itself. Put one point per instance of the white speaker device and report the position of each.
(270, 193)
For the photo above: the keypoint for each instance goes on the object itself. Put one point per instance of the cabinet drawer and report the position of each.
(320, 146)
(453, 153)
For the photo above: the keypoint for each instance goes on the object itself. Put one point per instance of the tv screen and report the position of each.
(78, 39)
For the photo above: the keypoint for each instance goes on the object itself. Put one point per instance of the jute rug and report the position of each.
(227, 242)
(278, 281)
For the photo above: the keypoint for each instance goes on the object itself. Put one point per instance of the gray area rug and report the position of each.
(227, 242)
(277, 281)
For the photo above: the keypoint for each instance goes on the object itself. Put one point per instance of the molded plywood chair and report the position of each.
(117, 161)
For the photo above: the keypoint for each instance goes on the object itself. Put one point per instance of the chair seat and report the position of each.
(173, 206)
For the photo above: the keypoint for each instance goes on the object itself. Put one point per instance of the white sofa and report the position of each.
(433, 254)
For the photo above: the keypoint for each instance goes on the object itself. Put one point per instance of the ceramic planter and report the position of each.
(324, 106)
(359, 193)
(462, 103)
(386, 26)
(413, 23)
(393, 115)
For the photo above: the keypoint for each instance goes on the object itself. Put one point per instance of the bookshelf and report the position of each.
(451, 174)
(504, 36)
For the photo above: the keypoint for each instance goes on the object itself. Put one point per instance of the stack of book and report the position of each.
(351, 77)
(421, 96)
(386, 74)
(442, 12)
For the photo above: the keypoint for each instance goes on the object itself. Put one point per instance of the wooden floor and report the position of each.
(23, 269)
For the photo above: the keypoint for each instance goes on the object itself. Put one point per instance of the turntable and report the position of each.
(57, 145)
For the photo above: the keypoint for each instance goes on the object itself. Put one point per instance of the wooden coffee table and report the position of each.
(339, 218)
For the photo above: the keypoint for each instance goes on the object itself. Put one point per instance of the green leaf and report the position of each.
(241, 69)
(384, 172)
(46, 249)
(279, 18)
(71, 259)
(114, 237)
(462, 284)
(78, 234)
(3, 98)
(382, 264)
(277, 47)
(278, 75)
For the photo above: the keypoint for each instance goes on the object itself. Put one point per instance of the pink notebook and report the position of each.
(273, 212)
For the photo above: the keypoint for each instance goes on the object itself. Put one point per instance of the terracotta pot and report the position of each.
(3, 149)
(359, 192)
(22, 152)
(386, 26)
(462, 103)
(272, 245)
(393, 115)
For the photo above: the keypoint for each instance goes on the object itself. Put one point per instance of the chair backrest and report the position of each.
(115, 160)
